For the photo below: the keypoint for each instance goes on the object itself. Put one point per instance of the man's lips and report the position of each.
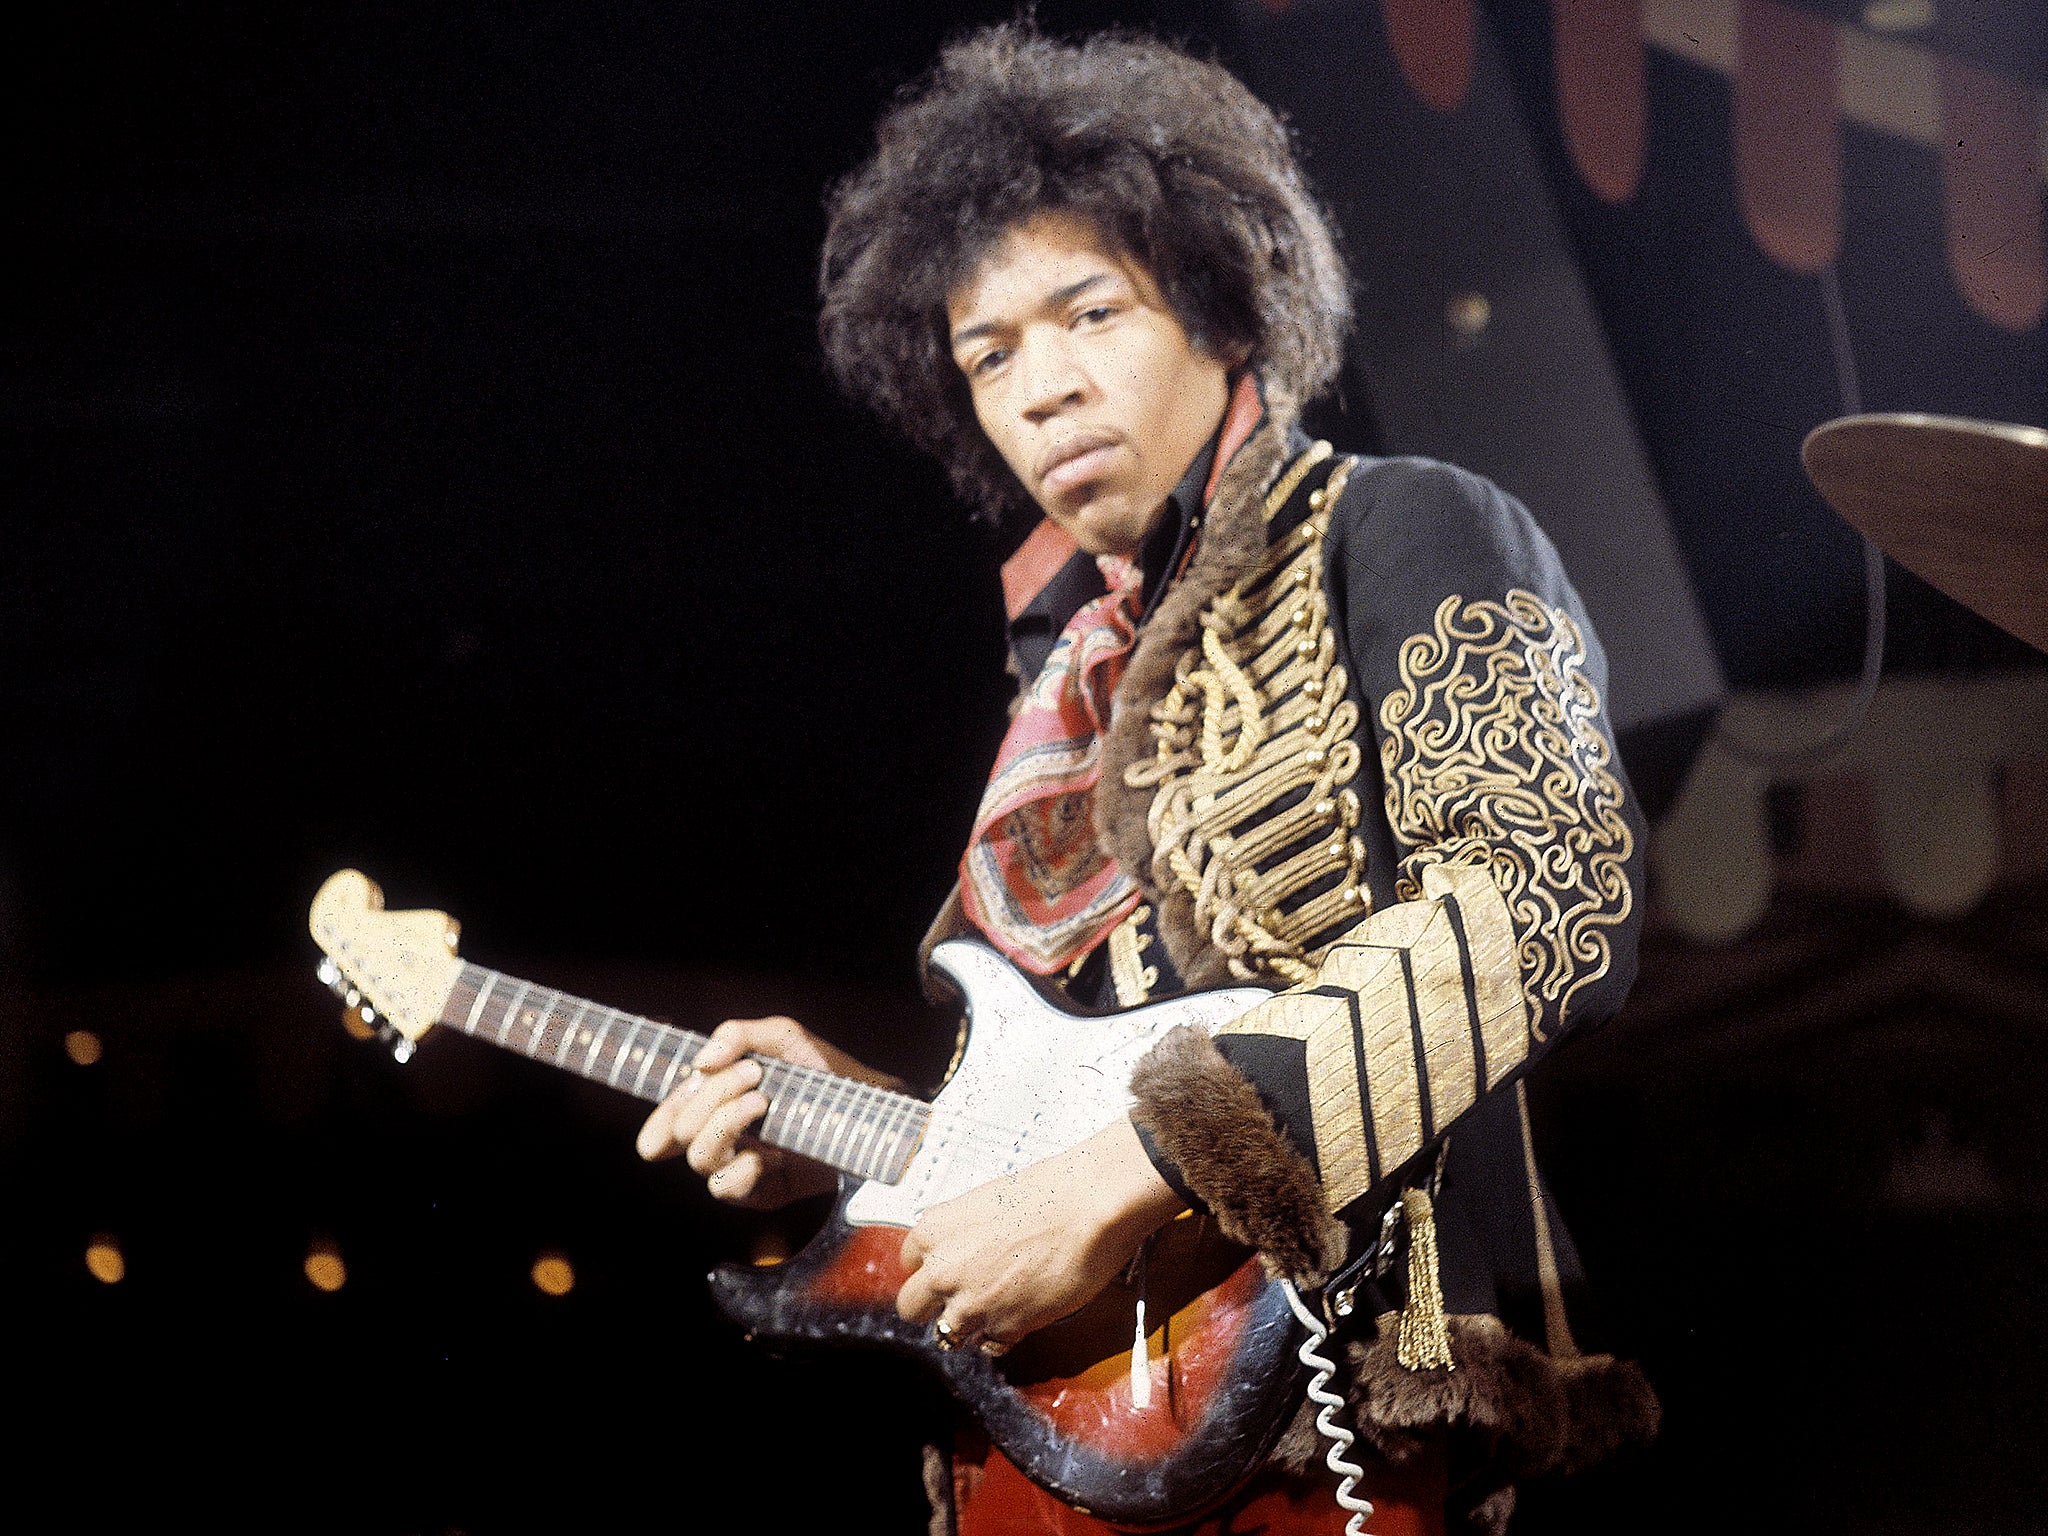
(1075, 462)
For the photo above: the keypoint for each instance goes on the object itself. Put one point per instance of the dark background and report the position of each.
(418, 459)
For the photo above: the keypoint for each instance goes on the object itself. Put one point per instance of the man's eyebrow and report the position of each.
(1059, 298)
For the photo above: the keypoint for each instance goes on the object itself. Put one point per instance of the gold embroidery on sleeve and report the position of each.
(1403, 968)
(1493, 757)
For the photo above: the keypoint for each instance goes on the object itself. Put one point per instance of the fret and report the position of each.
(483, 992)
(793, 1096)
(569, 1033)
(590, 1051)
(782, 1100)
(625, 1048)
(646, 1061)
(909, 1137)
(843, 1123)
(803, 1136)
(537, 1025)
(537, 1031)
(511, 1008)
(668, 1079)
(895, 1121)
(817, 1123)
(854, 1095)
(552, 1012)
(817, 1119)
(800, 1143)
(870, 1106)
(878, 1116)
(900, 1140)
(871, 1115)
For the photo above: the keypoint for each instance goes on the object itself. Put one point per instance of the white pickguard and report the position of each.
(1033, 1082)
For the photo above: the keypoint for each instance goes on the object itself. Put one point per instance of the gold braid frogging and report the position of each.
(1254, 757)
(1493, 756)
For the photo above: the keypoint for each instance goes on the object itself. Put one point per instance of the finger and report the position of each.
(718, 1143)
(697, 1101)
(739, 1178)
(726, 1046)
(913, 1250)
(657, 1138)
(777, 1036)
(680, 1116)
(920, 1300)
(955, 1328)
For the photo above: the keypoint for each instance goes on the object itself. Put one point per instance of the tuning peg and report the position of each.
(360, 1022)
(328, 972)
(402, 1046)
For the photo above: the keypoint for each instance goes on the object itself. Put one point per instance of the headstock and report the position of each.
(400, 965)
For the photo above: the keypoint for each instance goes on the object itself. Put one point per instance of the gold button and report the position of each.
(1350, 895)
(1315, 757)
(1326, 808)
(1314, 722)
(1304, 647)
(1315, 499)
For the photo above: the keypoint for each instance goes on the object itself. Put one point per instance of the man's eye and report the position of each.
(1097, 314)
(988, 362)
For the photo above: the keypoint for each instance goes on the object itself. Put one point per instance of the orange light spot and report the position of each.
(324, 1268)
(103, 1258)
(83, 1047)
(554, 1274)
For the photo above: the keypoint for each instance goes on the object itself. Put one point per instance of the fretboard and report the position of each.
(866, 1131)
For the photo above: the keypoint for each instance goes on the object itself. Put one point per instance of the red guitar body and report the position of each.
(1060, 1406)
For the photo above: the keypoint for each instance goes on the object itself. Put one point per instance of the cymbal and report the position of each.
(1962, 504)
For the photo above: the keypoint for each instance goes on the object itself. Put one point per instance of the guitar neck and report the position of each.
(862, 1130)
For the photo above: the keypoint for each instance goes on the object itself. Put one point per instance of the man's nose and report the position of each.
(1053, 375)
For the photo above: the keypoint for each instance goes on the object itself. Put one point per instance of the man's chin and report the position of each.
(1105, 527)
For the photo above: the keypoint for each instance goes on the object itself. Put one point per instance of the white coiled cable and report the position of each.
(1327, 1403)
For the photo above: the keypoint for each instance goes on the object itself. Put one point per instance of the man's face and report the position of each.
(1083, 379)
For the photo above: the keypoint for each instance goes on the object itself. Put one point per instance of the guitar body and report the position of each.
(1063, 1405)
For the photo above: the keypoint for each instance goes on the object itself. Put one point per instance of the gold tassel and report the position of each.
(1425, 1338)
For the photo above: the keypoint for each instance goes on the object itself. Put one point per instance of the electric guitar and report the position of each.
(1137, 1434)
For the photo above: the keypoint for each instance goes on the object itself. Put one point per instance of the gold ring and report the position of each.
(945, 1336)
(993, 1347)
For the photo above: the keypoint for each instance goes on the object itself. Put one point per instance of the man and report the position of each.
(1287, 716)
